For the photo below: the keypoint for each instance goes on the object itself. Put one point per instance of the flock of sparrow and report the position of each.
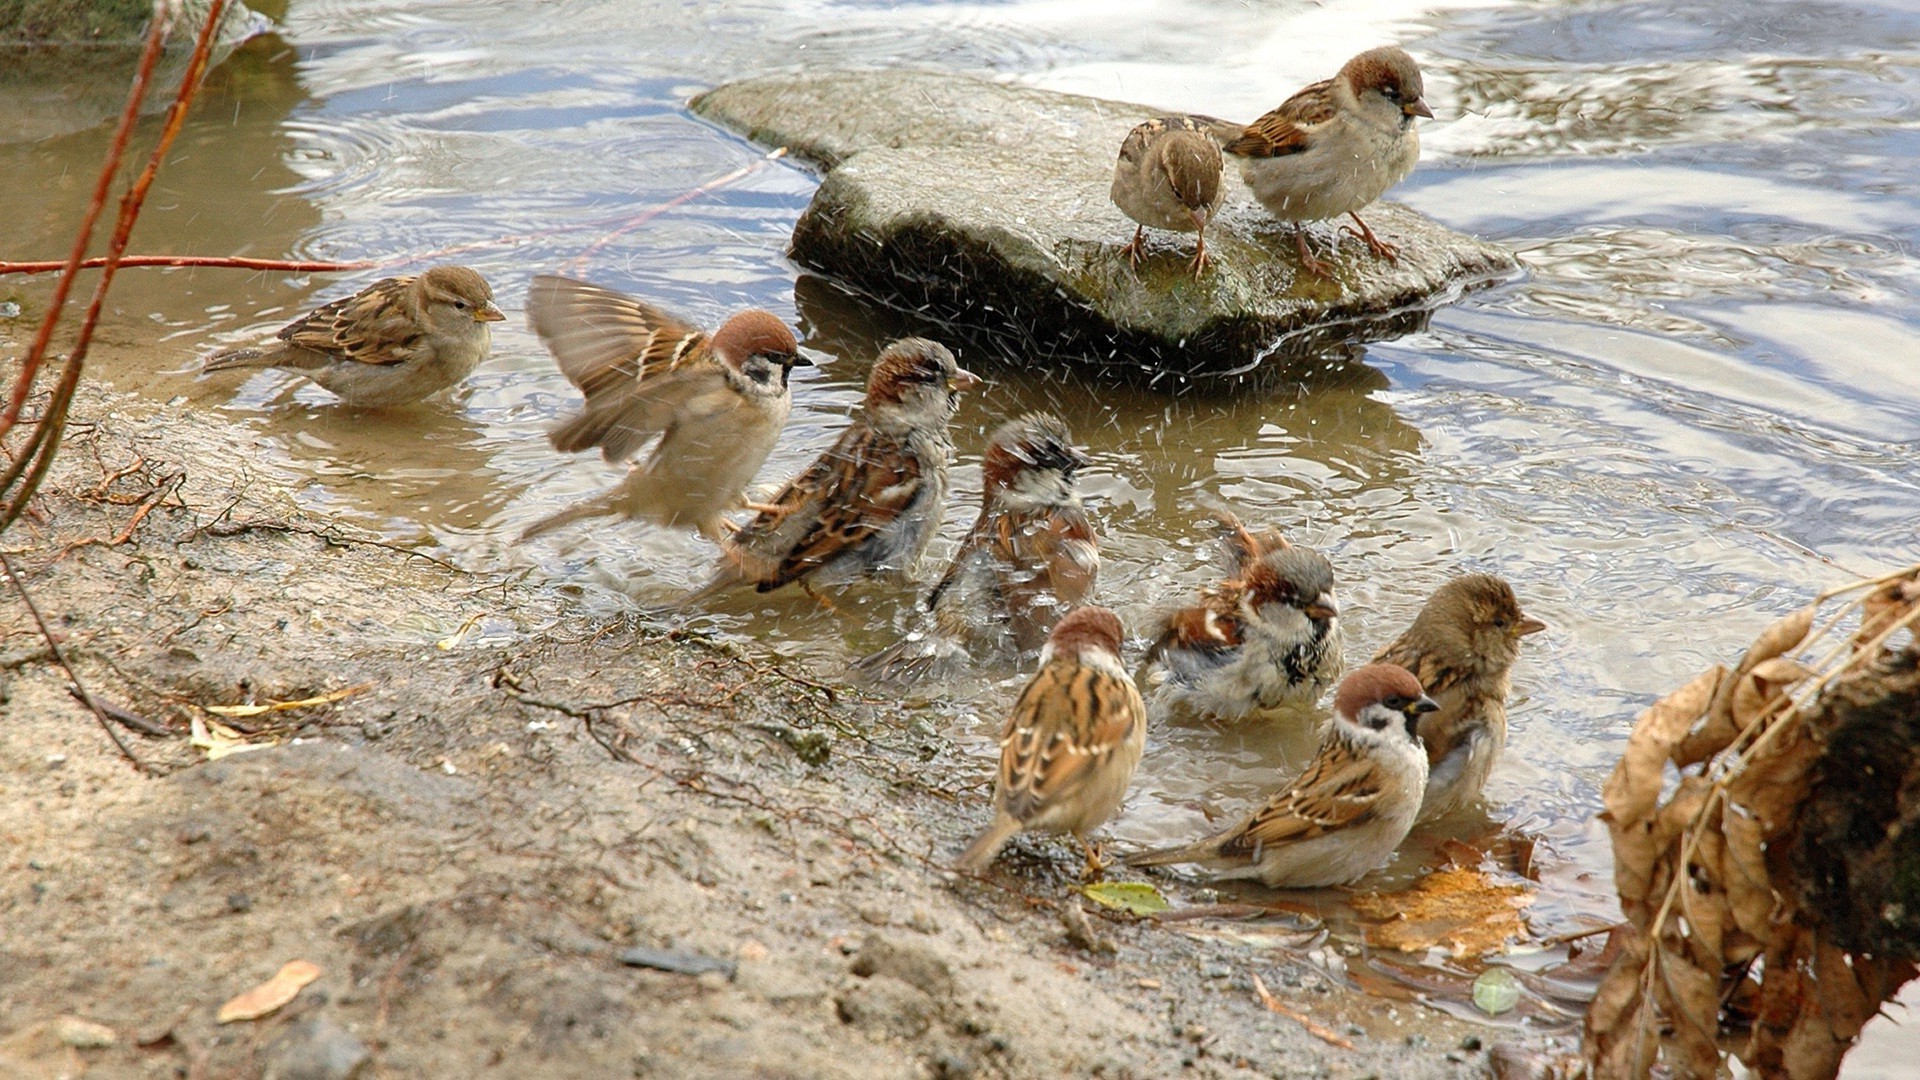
(1413, 734)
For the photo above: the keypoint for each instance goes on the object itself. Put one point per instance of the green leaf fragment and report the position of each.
(1496, 991)
(1133, 897)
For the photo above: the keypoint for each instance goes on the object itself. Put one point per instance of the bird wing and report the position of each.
(1288, 129)
(1046, 564)
(1436, 675)
(1340, 789)
(849, 493)
(1066, 727)
(369, 327)
(1209, 627)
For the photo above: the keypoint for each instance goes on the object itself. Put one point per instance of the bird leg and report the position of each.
(1308, 260)
(1096, 867)
(1137, 248)
(1200, 259)
(817, 598)
(1380, 248)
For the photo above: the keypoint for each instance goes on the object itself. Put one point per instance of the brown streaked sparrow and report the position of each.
(1030, 557)
(1461, 647)
(1349, 810)
(392, 343)
(1168, 177)
(714, 403)
(868, 506)
(1334, 147)
(1072, 742)
(1265, 639)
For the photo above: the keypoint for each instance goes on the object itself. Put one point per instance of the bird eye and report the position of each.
(461, 304)
(1391, 93)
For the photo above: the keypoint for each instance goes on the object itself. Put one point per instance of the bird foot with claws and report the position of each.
(1380, 248)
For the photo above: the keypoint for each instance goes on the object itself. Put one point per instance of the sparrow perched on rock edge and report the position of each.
(1462, 647)
(1168, 177)
(715, 403)
(1072, 741)
(1351, 807)
(868, 506)
(394, 342)
(1030, 557)
(1266, 638)
(1334, 147)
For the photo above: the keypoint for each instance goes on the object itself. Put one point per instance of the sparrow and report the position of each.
(1072, 742)
(1461, 647)
(394, 342)
(1334, 147)
(711, 404)
(1348, 811)
(1168, 176)
(1265, 639)
(867, 507)
(1030, 557)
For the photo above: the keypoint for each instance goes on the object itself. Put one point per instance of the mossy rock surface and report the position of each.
(984, 204)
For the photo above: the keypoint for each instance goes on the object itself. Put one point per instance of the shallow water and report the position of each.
(1702, 402)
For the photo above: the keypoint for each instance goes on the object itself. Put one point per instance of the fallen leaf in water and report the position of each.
(239, 711)
(1496, 991)
(1132, 897)
(1459, 907)
(285, 985)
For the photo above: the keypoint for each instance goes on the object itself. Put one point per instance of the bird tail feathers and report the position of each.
(982, 851)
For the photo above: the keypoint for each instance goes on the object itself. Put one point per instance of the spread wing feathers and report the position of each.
(1211, 626)
(1046, 569)
(1068, 724)
(635, 363)
(1288, 129)
(848, 494)
(370, 327)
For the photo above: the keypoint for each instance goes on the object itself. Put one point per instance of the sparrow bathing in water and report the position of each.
(1349, 810)
(1334, 147)
(867, 507)
(1461, 647)
(392, 343)
(711, 404)
(1072, 742)
(1265, 639)
(1168, 177)
(1030, 557)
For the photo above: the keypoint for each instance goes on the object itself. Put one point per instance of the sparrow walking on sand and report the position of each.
(1334, 147)
(1461, 647)
(1168, 177)
(1349, 810)
(392, 343)
(1072, 742)
(712, 404)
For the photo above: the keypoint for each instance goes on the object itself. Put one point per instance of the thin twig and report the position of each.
(1315, 1028)
(73, 681)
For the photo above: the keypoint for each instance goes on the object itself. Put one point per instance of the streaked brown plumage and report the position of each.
(1168, 177)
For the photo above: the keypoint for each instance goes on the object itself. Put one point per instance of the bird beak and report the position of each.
(489, 313)
(1417, 107)
(964, 380)
(1422, 704)
(1322, 607)
(1529, 625)
(797, 359)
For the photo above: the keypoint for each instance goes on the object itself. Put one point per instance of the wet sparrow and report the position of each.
(1071, 744)
(1348, 811)
(1335, 146)
(868, 506)
(1168, 177)
(714, 403)
(392, 343)
(1030, 557)
(1461, 647)
(1267, 638)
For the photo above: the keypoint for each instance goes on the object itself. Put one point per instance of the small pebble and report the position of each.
(1147, 984)
(1471, 1043)
(239, 903)
(83, 1034)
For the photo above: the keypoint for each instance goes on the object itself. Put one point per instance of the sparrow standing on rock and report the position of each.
(1334, 147)
(392, 343)
(1072, 742)
(715, 403)
(1461, 647)
(1266, 638)
(1031, 557)
(867, 507)
(1349, 810)
(1168, 177)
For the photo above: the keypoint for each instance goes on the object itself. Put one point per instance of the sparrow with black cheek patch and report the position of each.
(1072, 742)
(1030, 557)
(1334, 147)
(712, 404)
(1462, 647)
(1265, 639)
(868, 506)
(392, 343)
(1168, 177)
(1349, 810)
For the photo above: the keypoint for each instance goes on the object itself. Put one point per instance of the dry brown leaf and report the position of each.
(1783, 634)
(285, 985)
(1773, 782)
(1703, 898)
(1633, 790)
(1459, 907)
(1690, 998)
(1743, 864)
(1760, 688)
(1885, 606)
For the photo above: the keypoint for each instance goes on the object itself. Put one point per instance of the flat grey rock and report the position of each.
(984, 205)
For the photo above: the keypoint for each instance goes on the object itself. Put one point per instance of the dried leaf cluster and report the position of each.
(1718, 952)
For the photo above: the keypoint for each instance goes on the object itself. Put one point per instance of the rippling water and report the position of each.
(1701, 403)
